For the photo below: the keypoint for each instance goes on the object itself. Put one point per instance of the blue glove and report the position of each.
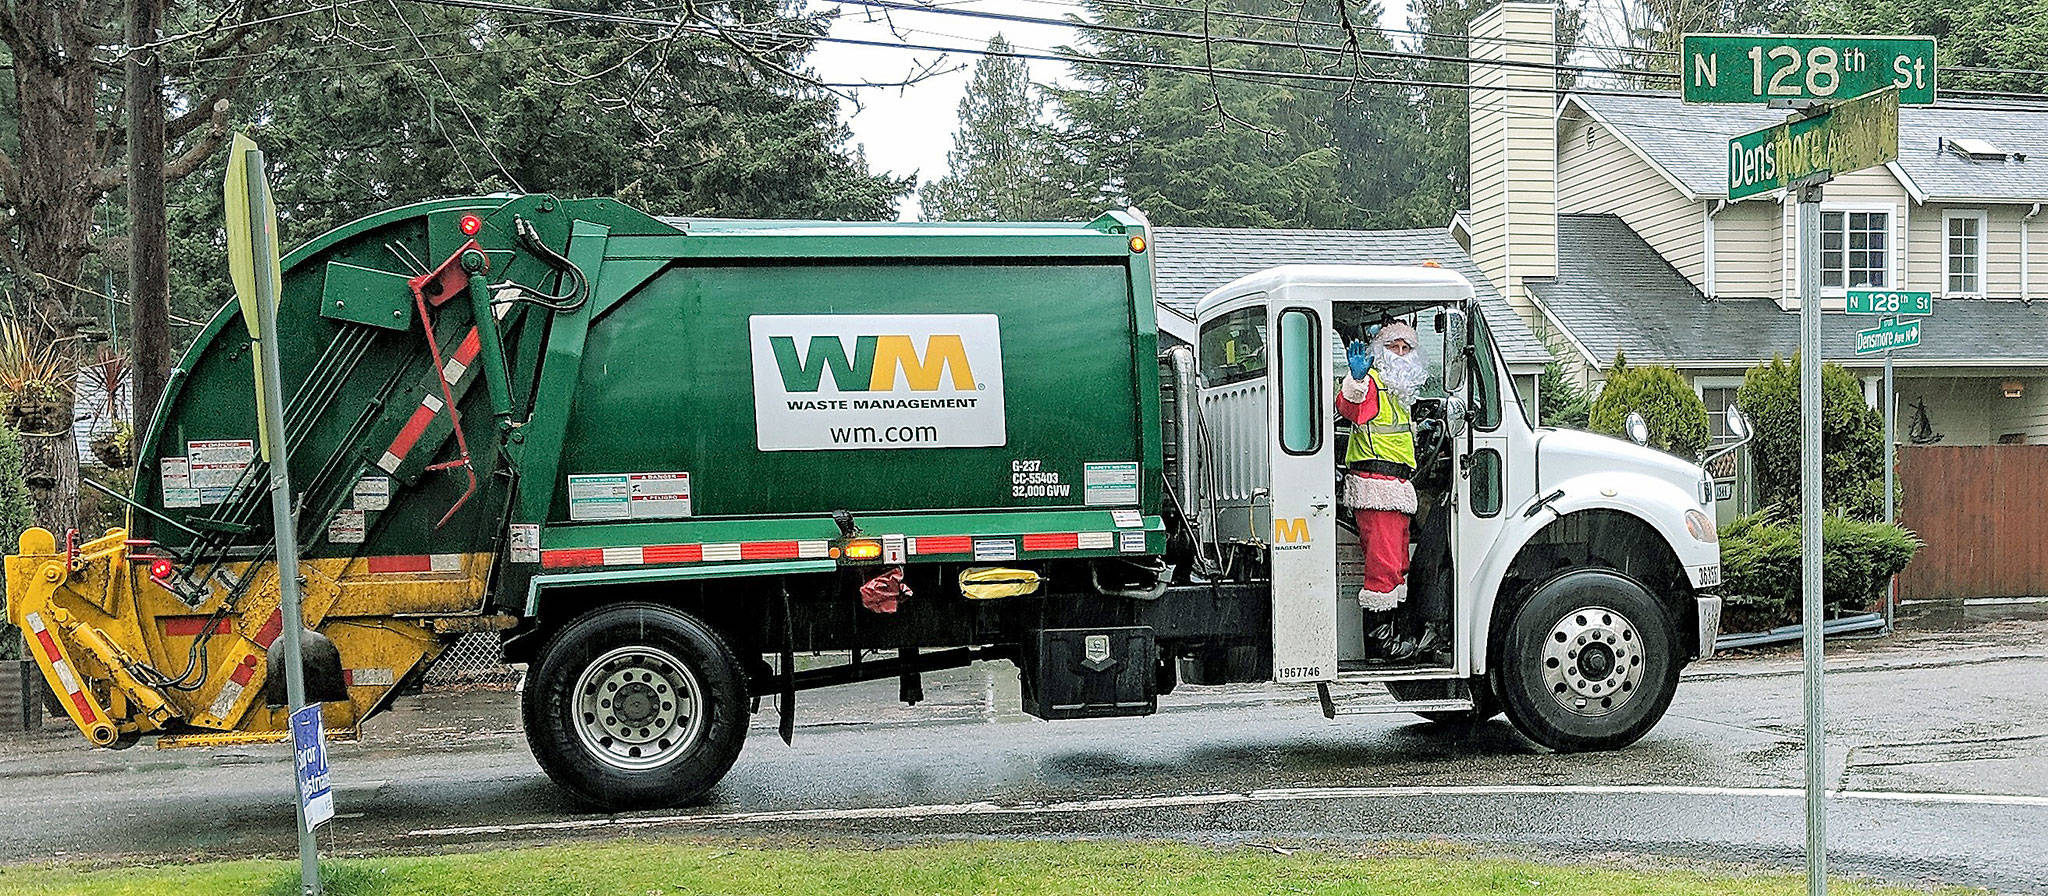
(1359, 357)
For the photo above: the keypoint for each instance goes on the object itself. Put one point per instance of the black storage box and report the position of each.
(1081, 673)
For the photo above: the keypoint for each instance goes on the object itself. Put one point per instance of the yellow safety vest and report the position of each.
(1388, 436)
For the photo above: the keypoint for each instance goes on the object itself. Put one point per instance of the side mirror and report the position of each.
(1453, 325)
(1738, 423)
(1637, 428)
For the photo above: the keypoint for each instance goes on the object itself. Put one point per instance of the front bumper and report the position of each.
(1709, 621)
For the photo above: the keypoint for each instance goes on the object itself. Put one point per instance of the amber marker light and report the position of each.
(1137, 244)
(863, 549)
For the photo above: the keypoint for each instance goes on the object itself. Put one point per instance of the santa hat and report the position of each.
(1396, 330)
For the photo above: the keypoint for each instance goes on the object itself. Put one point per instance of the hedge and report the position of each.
(1852, 440)
(1677, 418)
(15, 515)
(1760, 567)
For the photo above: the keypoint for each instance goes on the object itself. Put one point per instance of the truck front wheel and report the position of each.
(636, 705)
(1588, 663)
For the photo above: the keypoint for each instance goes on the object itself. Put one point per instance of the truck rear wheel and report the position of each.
(1589, 662)
(636, 705)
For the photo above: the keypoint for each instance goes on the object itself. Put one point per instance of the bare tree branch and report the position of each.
(202, 148)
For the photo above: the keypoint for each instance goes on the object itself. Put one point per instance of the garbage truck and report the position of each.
(661, 458)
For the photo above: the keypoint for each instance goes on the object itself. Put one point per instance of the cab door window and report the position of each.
(1233, 347)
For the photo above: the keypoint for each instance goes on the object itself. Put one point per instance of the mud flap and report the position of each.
(321, 663)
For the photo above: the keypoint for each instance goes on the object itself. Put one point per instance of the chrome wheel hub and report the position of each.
(1593, 661)
(637, 707)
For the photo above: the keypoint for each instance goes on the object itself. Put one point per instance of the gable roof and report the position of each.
(1188, 262)
(1616, 294)
(1689, 143)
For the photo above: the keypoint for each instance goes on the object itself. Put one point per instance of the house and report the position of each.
(1188, 262)
(1604, 221)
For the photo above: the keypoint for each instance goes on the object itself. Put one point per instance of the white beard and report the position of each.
(1404, 374)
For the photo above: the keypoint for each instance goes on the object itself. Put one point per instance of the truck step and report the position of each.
(1379, 702)
(239, 739)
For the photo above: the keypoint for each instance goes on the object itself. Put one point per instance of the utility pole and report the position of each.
(149, 311)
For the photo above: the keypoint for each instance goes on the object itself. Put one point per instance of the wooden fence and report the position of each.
(1983, 511)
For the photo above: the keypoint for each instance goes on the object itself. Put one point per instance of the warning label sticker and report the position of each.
(347, 527)
(629, 496)
(215, 464)
(176, 473)
(1110, 483)
(525, 542)
(373, 493)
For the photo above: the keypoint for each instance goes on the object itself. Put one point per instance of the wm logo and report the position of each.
(1290, 531)
(875, 364)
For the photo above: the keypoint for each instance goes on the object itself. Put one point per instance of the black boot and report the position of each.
(1380, 639)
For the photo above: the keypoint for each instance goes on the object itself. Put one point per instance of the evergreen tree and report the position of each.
(1559, 400)
(2005, 34)
(997, 157)
(1217, 147)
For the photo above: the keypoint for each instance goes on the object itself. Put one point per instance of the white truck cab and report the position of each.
(1574, 573)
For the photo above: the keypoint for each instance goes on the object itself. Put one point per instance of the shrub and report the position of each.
(15, 515)
(1760, 561)
(1677, 418)
(1852, 440)
(1559, 400)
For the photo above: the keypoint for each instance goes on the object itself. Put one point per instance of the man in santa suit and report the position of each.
(1385, 376)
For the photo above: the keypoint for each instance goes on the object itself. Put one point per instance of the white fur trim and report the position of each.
(1353, 390)
(1371, 493)
(1382, 601)
(1397, 330)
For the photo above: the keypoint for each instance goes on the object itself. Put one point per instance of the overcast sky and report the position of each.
(908, 130)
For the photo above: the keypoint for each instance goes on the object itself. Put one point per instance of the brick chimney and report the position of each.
(1514, 147)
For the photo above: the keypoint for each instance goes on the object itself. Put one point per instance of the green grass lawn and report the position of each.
(652, 867)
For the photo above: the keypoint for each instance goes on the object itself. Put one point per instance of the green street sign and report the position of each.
(1858, 134)
(1887, 336)
(1761, 68)
(1889, 301)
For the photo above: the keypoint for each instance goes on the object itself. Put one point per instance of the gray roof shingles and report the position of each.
(1616, 294)
(1691, 144)
(1190, 261)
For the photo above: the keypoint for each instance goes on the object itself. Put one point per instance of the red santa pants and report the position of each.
(1383, 534)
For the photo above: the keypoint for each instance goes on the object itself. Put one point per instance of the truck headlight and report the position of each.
(1701, 528)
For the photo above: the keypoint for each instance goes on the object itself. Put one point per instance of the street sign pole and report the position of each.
(1891, 413)
(261, 225)
(1809, 532)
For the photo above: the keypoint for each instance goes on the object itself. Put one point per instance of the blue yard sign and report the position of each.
(309, 753)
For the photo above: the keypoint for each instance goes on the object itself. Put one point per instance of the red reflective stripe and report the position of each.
(944, 544)
(466, 352)
(768, 550)
(406, 563)
(414, 428)
(77, 699)
(672, 553)
(272, 627)
(194, 626)
(573, 557)
(1053, 541)
(49, 646)
(84, 708)
(244, 672)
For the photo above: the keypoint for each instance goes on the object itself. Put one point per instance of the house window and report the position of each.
(1855, 250)
(1962, 253)
(1718, 399)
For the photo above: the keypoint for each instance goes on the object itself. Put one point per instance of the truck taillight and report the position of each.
(861, 550)
(471, 225)
(161, 569)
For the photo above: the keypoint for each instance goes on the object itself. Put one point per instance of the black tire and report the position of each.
(1484, 705)
(1588, 662)
(648, 660)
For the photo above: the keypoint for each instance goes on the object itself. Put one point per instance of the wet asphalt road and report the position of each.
(1938, 747)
